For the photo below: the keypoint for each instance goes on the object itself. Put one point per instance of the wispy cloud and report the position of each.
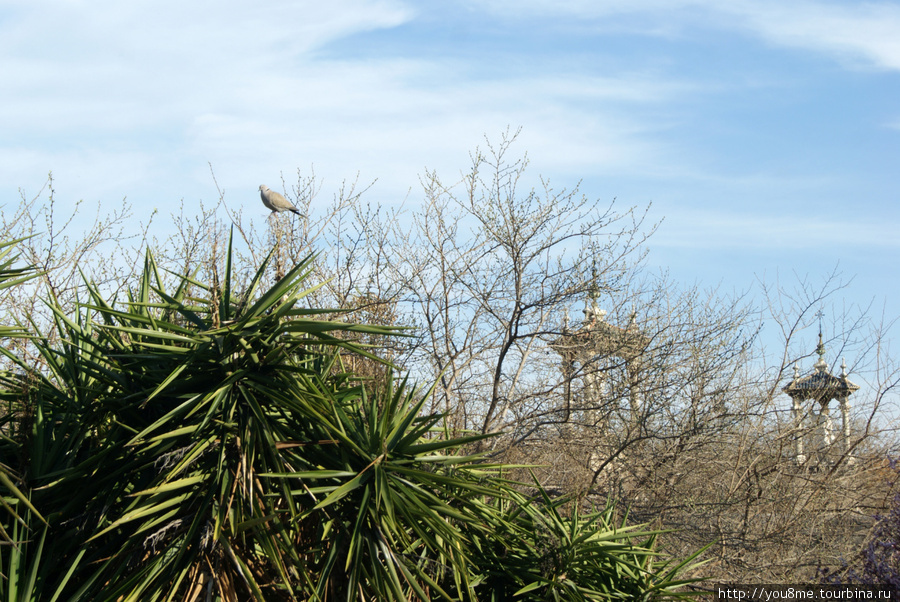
(126, 58)
(785, 232)
(143, 81)
(857, 33)
(166, 87)
(263, 88)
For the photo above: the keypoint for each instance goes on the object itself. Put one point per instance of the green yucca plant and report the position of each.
(12, 498)
(191, 445)
(211, 445)
(546, 549)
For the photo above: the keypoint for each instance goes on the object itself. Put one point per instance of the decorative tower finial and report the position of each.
(592, 311)
(820, 348)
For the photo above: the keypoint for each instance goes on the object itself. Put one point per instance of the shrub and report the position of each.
(193, 442)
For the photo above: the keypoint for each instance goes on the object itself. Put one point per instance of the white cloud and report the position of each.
(734, 230)
(64, 62)
(88, 84)
(854, 32)
(165, 87)
(396, 117)
(864, 32)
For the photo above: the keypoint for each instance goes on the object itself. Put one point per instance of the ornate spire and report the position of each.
(821, 365)
(592, 311)
(594, 292)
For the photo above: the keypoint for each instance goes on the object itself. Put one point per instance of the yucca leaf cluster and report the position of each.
(196, 442)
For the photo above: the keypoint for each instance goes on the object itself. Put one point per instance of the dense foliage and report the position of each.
(196, 442)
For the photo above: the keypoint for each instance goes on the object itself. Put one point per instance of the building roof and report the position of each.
(821, 385)
(596, 336)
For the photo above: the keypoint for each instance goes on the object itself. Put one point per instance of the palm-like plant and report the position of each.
(191, 444)
(547, 549)
(11, 276)
(196, 446)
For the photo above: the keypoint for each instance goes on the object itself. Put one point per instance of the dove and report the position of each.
(275, 201)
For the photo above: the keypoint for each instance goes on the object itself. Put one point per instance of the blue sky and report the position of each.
(765, 133)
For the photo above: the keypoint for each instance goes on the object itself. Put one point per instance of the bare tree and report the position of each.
(488, 270)
(65, 247)
(714, 457)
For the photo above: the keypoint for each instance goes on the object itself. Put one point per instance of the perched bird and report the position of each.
(275, 201)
